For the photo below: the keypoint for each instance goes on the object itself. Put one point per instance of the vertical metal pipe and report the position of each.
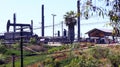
(14, 27)
(43, 20)
(62, 27)
(78, 10)
(14, 21)
(58, 33)
(21, 46)
(31, 27)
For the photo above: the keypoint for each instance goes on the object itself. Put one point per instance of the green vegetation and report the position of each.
(72, 55)
(91, 57)
(55, 49)
(100, 52)
(28, 60)
(33, 40)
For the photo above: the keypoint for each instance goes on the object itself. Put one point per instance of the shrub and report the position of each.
(88, 61)
(33, 40)
(114, 58)
(15, 46)
(2, 59)
(83, 61)
(3, 49)
(54, 49)
(66, 61)
(105, 62)
(50, 62)
(74, 63)
(100, 52)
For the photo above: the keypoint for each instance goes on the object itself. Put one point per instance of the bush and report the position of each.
(100, 52)
(83, 61)
(3, 49)
(2, 59)
(74, 63)
(66, 61)
(50, 62)
(33, 40)
(15, 46)
(88, 61)
(54, 49)
(114, 58)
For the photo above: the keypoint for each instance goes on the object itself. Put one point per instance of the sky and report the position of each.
(27, 10)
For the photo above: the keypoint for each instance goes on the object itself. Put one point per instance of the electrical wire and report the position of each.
(56, 25)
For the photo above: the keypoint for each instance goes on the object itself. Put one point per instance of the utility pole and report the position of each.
(53, 25)
(21, 45)
(78, 19)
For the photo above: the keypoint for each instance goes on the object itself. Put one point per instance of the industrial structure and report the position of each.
(15, 35)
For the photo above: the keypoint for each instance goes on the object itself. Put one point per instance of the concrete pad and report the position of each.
(55, 44)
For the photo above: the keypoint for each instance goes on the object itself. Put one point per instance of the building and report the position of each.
(100, 36)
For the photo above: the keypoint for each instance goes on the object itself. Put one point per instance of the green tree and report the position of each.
(70, 21)
(88, 9)
(114, 15)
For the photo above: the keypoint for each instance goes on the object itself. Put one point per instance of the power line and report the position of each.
(94, 23)
(47, 26)
(60, 24)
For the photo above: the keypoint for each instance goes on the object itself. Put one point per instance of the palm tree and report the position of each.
(70, 21)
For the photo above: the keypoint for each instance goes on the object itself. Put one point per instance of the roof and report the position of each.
(103, 30)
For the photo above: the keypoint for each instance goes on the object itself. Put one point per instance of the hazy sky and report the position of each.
(31, 9)
(27, 10)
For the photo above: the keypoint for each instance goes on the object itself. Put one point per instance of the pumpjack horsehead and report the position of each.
(22, 26)
(19, 25)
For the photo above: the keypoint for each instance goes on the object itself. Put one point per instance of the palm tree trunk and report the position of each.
(71, 33)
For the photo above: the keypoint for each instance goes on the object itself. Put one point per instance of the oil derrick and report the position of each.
(14, 34)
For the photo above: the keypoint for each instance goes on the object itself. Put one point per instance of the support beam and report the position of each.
(78, 10)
